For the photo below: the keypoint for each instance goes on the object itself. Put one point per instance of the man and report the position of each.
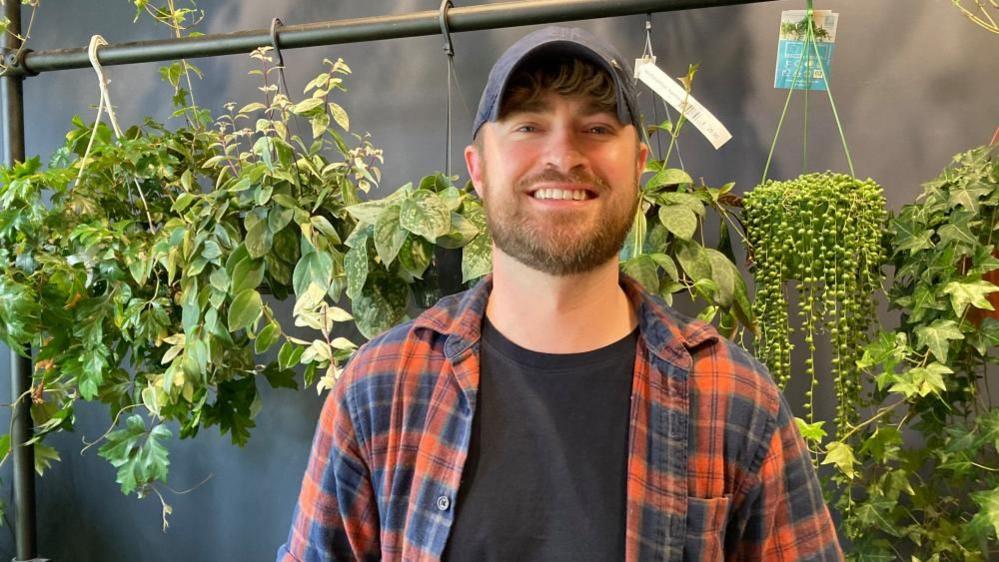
(557, 411)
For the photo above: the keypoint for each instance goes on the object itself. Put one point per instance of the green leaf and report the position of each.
(267, 337)
(138, 454)
(725, 275)
(307, 106)
(355, 265)
(5, 446)
(973, 293)
(694, 260)
(369, 211)
(462, 232)
(259, 238)
(644, 270)
(679, 220)
(668, 176)
(936, 336)
(424, 213)
(910, 236)
(251, 107)
(322, 225)
(280, 378)
(668, 265)
(289, 355)
(415, 255)
(278, 218)
(313, 268)
(247, 274)
(922, 381)
(44, 455)
(811, 432)
(968, 196)
(884, 444)
(320, 123)
(232, 410)
(682, 199)
(888, 350)
(183, 201)
(634, 244)
(436, 182)
(381, 305)
(477, 258)
(340, 116)
(263, 148)
(244, 310)
(988, 501)
(958, 233)
(195, 359)
(389, 235)
(841, 455)
(986, 337)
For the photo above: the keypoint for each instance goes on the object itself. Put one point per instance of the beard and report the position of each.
(559, 243)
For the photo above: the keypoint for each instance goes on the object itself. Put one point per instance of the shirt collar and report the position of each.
(666, 333)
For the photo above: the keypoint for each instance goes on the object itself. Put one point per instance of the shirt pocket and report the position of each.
(706, 522)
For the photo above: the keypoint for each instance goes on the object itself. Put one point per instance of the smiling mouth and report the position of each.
(563, 194)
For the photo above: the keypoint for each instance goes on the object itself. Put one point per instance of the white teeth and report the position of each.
(574, 195)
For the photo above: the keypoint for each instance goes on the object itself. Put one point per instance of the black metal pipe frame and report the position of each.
(471, 18)
(11, 92)
(28, 63)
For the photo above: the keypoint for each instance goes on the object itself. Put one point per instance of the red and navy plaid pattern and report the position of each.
(716, 467)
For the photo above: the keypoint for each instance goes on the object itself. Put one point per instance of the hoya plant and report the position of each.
(667, 249)
(141, 270)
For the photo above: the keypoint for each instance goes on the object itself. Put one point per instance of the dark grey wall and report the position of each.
(915, 83)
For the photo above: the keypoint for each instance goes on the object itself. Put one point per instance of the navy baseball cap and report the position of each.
(566, 42)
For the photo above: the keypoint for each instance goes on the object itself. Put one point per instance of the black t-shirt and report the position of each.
(546, 473)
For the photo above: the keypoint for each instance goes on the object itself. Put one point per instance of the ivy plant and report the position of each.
(935, 496)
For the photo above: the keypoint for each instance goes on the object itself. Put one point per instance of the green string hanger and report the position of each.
(809, 40)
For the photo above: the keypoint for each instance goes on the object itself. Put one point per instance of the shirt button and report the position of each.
(443, 503)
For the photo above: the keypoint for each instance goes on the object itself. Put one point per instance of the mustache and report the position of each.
(555, 176)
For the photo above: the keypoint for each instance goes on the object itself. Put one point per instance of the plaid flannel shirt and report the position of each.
(716, 471)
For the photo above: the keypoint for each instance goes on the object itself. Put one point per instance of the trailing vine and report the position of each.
(822, 232)
(142, 276)
(937, 497)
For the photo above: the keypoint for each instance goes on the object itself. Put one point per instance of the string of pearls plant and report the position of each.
(821, 231)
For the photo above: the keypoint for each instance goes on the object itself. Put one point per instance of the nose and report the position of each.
(564, 152)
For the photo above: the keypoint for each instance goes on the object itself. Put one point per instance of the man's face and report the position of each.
(559, 144)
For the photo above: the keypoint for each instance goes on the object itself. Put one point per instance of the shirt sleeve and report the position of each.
(336, 517)
(785, 517)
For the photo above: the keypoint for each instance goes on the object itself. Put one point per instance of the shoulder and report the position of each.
(733, 400)
(721, 368)
(381, 362)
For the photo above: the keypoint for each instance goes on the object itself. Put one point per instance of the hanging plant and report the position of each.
(139, 266)
(822, 232)
(393, 246)
(671, 256)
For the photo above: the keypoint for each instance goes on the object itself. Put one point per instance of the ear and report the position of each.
(643, 155)
(476, 167)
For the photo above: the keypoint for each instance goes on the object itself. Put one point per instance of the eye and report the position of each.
(525, 129)
(600, 130)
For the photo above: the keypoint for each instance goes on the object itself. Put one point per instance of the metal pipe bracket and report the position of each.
(13, 65)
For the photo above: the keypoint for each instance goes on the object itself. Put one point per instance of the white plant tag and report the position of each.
(674, 94)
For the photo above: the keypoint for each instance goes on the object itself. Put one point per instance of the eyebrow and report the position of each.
(542, 105)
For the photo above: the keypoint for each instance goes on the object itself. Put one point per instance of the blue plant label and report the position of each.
(798, 67)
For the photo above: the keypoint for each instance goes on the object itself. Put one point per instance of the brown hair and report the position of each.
(564, 76)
